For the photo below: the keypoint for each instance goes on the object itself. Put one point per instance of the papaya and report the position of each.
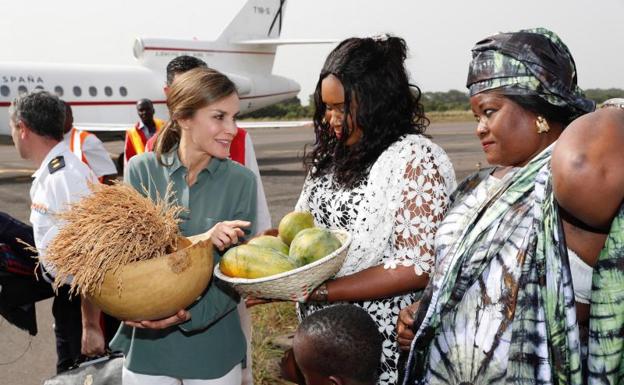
(293, 223)
(271, 242)
(313, 244)
(252, 261)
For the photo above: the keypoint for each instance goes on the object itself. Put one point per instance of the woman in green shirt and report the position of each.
(203, 344)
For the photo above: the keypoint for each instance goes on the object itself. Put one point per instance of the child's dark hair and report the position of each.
(373, 75)
(346, 342)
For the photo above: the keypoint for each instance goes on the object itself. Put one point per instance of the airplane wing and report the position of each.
(276, 124)
(103, 127)
(285, 41)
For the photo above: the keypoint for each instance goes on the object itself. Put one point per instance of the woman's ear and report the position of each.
(184, 124)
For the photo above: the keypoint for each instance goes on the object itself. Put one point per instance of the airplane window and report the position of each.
(92, 91)
(77, 91)
(108, 91)
(58, 90)
(123, 91)
(5, 91)
(22, 90)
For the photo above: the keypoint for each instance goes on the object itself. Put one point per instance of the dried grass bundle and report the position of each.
(110, 228)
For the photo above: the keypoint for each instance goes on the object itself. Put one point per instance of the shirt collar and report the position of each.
(172, 160)
(57, 150)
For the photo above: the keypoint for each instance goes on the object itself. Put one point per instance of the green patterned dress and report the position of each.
(500, 306)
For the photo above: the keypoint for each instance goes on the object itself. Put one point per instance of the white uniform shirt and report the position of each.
(98, 158)
(57, 183)
(263, 217)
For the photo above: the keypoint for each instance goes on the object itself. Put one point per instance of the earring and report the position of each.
(324, 121)
(542, 125)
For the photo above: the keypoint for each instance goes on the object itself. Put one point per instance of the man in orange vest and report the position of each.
(143, 130)
(89, 149)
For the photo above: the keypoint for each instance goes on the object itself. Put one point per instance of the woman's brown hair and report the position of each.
(190, 92)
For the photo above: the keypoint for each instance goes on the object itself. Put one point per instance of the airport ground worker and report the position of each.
(89, 149)
(143, 130)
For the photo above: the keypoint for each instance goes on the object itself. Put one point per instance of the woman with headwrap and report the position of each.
(512, 260)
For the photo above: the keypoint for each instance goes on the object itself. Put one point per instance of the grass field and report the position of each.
(270, 321)
(450, 116)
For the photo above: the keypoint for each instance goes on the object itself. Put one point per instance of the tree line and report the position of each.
(453, 100)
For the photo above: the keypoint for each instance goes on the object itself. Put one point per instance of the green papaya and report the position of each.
(293, 223)
(252, 261)
(271, 242)
(313, 244)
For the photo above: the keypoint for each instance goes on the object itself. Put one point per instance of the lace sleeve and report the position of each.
(423, 203)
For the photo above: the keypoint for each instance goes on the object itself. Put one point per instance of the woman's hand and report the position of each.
(225, 234)
(405, 335)
(178, 318)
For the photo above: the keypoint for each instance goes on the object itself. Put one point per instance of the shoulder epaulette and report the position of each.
(56, 164)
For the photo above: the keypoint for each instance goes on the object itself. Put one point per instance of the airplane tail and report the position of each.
(257, 19)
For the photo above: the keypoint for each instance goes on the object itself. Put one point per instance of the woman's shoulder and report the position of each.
(416, 146)
(237, 170)
(144, 161)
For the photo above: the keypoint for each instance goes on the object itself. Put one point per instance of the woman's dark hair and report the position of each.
(540, 106)
(377, 90)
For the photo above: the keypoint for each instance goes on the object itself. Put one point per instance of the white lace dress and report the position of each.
(392, 216)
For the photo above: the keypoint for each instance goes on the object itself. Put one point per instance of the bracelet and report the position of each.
(319, 294)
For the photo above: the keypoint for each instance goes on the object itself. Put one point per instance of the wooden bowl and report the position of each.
(159, 287)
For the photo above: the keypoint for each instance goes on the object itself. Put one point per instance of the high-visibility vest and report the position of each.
(135, 139)
(76, 140)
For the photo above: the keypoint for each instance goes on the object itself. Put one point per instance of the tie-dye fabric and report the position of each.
(529, 62)
(500, 306)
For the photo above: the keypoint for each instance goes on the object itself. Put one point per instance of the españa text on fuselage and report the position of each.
(21, 79)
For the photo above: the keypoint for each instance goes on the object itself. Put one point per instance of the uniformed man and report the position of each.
(89, 149)
(36, 120)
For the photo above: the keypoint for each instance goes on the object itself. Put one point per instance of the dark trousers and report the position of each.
(67, 328)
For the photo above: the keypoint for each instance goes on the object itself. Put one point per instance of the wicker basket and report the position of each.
(292, 285)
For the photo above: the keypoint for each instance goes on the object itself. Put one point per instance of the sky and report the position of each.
(439, 33)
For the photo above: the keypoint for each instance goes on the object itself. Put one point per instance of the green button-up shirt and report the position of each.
(211, 343)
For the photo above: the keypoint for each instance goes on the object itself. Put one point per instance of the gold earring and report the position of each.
(324, 121)
(542, 125)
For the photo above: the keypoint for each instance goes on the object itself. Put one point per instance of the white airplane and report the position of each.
(104, 97)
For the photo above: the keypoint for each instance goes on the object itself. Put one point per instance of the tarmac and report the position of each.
(27, 360)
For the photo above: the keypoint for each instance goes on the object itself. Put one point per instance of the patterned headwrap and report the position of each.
(533, 62)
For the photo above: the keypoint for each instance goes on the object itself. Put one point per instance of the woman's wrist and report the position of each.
(320, 294)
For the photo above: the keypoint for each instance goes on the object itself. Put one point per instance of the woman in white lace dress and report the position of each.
(373, 173)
